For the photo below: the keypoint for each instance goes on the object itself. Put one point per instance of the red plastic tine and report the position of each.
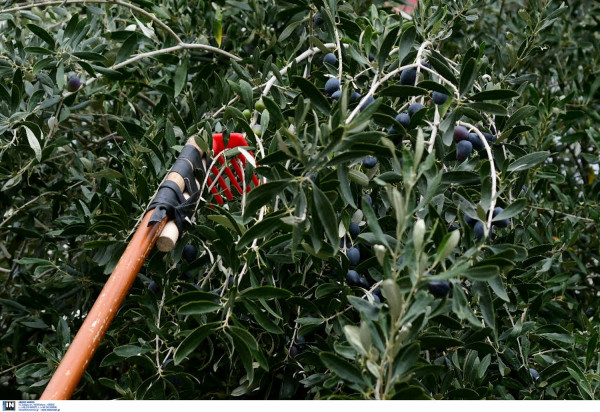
(238, 140)
(222, 182)
(214, 191)
(229, 174)
(218, 144)
(238, 169)
(218, 147)
(235, 140)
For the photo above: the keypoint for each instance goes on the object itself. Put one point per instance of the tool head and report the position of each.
(238, 162)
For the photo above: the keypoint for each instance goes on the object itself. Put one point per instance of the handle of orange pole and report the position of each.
(170, 234)
(86, 342)
(90, 334)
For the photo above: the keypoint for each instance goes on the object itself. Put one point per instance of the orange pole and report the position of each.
(86, 342)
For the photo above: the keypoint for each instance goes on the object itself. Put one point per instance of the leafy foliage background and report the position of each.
(265, 310)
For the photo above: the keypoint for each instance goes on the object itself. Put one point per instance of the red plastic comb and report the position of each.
(238, 162)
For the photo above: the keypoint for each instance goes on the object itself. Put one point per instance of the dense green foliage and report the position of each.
(440, 308)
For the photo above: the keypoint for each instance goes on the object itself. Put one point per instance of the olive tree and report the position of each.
(424, 227)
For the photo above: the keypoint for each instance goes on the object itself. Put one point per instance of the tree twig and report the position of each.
(118, 2)
(19, 365)
(492, 174)
(561, 213)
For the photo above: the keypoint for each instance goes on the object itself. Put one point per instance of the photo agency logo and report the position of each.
(9, 405)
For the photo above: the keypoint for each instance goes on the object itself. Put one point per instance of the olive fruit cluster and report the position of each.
(354, 230)
(404, 118)
(479, 227)
(353, 255)
(354, 279)
(408, 77)
(466, 142)
(352, 252)
(463, 146)
(189, 254)
(332, 85)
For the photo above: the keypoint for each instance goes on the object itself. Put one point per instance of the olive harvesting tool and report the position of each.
(166, 217)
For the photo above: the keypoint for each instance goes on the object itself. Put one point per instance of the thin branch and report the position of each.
(19, 365)
(150, 16)
(297, 60)
(118, 2)
(492, 173)
(13, 268)
(377, 83)
(418, 60)
(146, 99)
(434, 129)
(443, 79)
(269, 84)
(160, 368)
(157, 337)
(181, 46)
(35, 199)
(210, 272)
(137, 57)
(561, 213)
(253, 247)
(339, 52)
(518, 337)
